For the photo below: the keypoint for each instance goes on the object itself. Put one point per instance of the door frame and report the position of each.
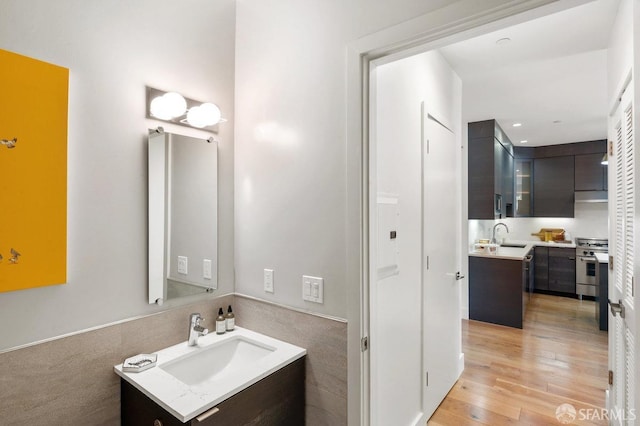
(458, 21)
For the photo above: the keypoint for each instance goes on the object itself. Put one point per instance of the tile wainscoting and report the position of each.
(324, 339)
(70, 380)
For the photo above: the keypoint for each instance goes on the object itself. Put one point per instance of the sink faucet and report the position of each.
(195, 329)
(493, 238)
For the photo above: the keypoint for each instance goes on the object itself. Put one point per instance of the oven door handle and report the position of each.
(588, 259)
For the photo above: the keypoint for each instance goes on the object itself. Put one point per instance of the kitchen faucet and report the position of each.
(493, 238)
(195, 329)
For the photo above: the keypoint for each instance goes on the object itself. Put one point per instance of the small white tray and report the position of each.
(138, 363)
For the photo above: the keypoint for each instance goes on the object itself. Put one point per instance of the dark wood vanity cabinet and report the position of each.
(278, 399)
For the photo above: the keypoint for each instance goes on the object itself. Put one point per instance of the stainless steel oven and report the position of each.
(586, 264)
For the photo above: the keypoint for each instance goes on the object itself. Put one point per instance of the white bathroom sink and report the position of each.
(189, 380)
(216, 360)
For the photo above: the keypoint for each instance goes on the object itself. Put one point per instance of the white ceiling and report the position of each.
(554, 68)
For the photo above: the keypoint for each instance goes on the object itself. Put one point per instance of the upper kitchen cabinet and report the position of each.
(553, 183)
(591, 174)
(523, 175)
(490, 171)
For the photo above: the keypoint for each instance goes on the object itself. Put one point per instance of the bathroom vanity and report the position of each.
(277, 399)
(237, 378)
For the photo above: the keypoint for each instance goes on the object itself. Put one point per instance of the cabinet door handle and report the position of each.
(572, 258)
(204, 416)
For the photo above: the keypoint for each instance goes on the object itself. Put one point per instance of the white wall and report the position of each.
(397, 301)
(114, 49)
(290, 169)
(620, 51)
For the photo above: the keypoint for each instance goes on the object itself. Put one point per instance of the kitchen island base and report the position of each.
(496, 291)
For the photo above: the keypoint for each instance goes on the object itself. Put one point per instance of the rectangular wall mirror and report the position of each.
(183, 216)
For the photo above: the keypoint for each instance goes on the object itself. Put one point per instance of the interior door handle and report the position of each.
(617, 308)
(458, 276)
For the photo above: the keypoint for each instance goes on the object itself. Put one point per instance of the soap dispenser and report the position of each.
(230, 319)
(221, 326)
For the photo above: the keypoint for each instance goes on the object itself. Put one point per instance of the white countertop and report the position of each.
(517, 253)
(188, 401)
(602, 257)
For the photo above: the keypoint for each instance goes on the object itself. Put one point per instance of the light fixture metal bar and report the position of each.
(153, 93)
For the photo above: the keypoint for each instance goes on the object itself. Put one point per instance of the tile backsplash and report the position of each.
(591, 220)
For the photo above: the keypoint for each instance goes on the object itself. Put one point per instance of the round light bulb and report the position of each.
(196, 117)
(211, 112)
(159, 108)
(176, 104)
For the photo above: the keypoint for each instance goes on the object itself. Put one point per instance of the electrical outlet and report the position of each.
(183, 265)
(313, 289)
(268, 280)
(206, 269)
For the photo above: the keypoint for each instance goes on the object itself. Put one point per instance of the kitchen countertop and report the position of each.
(517, 253)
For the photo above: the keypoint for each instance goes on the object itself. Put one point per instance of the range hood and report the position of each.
(591, 196)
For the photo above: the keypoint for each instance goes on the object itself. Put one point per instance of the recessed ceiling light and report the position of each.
(525, 141)
(502, 41)
(517, 124)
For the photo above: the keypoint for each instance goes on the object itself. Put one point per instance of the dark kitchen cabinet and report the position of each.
(562, 270)
(524, 187)
(553, 183)
(278, 399)
(496, 290)
(507, 183)
(590, 173)
(541, 268)
(490, 171)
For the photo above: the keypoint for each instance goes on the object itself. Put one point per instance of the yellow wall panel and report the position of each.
(33, 174)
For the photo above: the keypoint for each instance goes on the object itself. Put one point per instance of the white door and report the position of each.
(622, 326)
(415, 325)
(442, 327)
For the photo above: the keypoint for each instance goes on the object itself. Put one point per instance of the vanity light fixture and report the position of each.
(175, 108)
(517, 124)
(524, 141)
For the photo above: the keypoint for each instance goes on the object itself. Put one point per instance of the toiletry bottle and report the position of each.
(230, 319)
(220, 323)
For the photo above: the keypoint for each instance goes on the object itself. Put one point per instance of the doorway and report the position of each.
(414, 238)
(361, 55)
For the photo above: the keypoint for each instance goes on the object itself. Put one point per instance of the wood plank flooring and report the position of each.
(520, 377)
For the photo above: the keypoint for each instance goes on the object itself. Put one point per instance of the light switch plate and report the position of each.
(313, 289)
(268, 280)
(183, 265)
(206, 269)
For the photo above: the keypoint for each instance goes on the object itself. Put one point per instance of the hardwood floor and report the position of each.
(520, 377)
